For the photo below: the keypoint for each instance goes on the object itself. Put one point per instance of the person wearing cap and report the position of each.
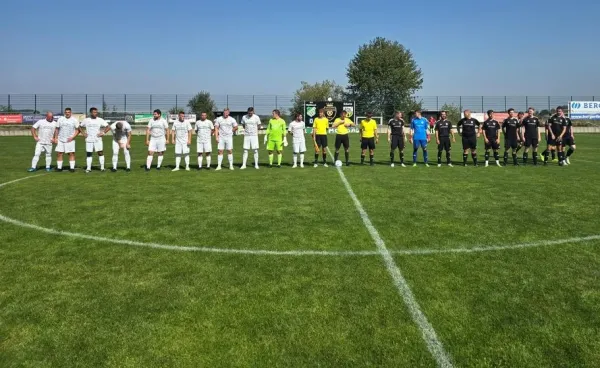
(419, 136)
(251, 124)
(368, 138)
(341, 126)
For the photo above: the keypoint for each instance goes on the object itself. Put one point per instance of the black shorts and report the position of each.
(469, 142)
(445, 144)
(493, 144)
(511, 143)
(531, 142)
(367, 143)
(342, 140)
(397, 142)
(568, 141)
(321, 141)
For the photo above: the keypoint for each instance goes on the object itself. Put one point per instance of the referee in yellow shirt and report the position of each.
(320, 126)
(341, 126)
(368, 138)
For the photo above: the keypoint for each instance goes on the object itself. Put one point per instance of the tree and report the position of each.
(452, 112)
(383, 77)
(319, 91)
(202, 102)
(176, 109)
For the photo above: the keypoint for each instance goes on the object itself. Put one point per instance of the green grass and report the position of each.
(73, 302)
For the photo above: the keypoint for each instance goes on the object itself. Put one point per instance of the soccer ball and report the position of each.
(338, 163)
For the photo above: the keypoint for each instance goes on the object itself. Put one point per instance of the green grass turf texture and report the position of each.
(69, 302)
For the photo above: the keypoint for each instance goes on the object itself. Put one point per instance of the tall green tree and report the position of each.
(318, 91)
(202, 102)
(383, 77)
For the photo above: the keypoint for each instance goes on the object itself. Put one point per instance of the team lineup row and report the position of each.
(517, 133)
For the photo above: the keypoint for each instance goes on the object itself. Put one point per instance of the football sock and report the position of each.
(127, 158)
(302, 159)
(474, 157)
(371, 159)
(48, 160)
(245, 158)
(362, 158)
(219, 160)
(514, 157)
(335, 156)
(279, 158)
(448, 157)
(295, 159)
(415, 156)
(535, 157)
(465, 158)
(347, 154)
(392, 157)
(553, 153)
(200, 158)
(525, 157)
(570, 152)
(59, 164)
(270, 159)
(230, 159)
(439, 157)
(505, 157)
(186, 159)
(208, 159)
(487, 156)
(255, 157)
(101, 159)
(72, 165)
(35, 160)
(425, 155)
(88, 161)
(177, 160)
(159, 161)
(115, 159)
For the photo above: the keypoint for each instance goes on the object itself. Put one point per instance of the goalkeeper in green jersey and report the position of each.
(275, 137)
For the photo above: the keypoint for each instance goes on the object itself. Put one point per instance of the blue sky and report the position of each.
(464, 47)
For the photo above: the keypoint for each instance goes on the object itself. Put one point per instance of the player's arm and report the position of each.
(106, 129)
(564, 130)
(234, 126)
(376, 134)
(34, 132)
(412, 130)
(336, 122)
(55, 135)
(389, 133)
(459, 127)
(189, 134)
(349, 123)
(485, 138)
(437, 133)
(129, 138)
(77, 131)
(478, 128)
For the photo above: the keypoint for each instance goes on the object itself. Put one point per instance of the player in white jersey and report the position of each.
(43, 132)
(297, 128)
(251, 124)
(225, 126)
(121, 133)
(204, 129)
(157, 134)
(93, 138)
(181, 136)
(67, 129)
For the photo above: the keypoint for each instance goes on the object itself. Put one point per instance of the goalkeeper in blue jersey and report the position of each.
(419, 136)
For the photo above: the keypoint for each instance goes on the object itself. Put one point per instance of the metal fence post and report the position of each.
(86, 105)
(437, 103)
(252, 100)
(549, 108)
(460, 102)
(505, 107)
(526, 103)
(227, 101)
(176, 104)
(125, 102)
(481, 103)
(9, 102)
(150, 103)
(61, 102)
(275, 101)
(35, 104)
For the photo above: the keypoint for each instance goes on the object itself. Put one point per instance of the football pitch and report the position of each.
(313, 267)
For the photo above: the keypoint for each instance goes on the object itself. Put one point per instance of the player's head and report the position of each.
(156, 114)
(94, 112)
(511, 112)
(68, 112)
(521, 114)
(559, 111)
(276, 114)
(226, 113)
(443, 115)
(299, 117)
(321, 113)
(49, 116)
(467, 114)
(369, 115)
(418, 113)
(398, 115)
(344, 114)
(203, 116)
(181, 116)
(490, 114)
(119, 126)
(531, 111)
(250, 111)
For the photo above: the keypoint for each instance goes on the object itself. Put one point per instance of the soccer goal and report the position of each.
(379, 119)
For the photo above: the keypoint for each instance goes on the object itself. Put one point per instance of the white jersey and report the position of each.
(92, 128)
(45, 131)
(225, 126)
(158, 128)
(120, 135)
(297, 130)
(204, 130)
(66, 128)
(181, 129)
(251, 124)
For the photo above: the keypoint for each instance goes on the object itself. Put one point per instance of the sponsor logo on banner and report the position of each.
(32, 118)
(349, 111)
(584, 110)
(142, 118)
(330, 111)
(311, 111)
(11, 118)
(186, 117)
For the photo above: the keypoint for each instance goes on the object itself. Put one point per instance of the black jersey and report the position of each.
(444, 128)
(510, 128)
(569, 131)
(531, 124)
(396, 126)
(469, 127)
(556, 124)
(491, 128)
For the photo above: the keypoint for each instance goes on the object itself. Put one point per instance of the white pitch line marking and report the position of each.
(435, 346)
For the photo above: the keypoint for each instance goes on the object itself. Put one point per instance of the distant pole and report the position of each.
(275, 101)
(9, 100)
(437, 103)
(176, 104)
(227, 101)
(481, 103)
(61, 102)
(150, 103)
(125, 102)
(460, 102)
(34, 103)
(549, 108)
(526, 102)
(86, 105)
(252, 100)
(505, 107)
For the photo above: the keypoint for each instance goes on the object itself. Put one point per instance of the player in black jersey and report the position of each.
(569, 140)
(557, 127)
(491, 129)
(520, 117)
(443, 131)
(531, 133)
(550, 143)
(511, 130)
(396, 137)
(468, 128)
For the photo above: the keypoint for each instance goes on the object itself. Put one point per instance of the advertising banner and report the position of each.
(142, 118)
(32, 118)
(187, 117)
(332, 110)
(584, 110)
(11, 118)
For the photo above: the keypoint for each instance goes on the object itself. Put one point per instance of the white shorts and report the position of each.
(299, 146)
(65, 147)
(119, 145)
(251, 142)
(157, 145)
(40, 147)
(204, 147)
(94, 146)
(181, 149)
(225, 143)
